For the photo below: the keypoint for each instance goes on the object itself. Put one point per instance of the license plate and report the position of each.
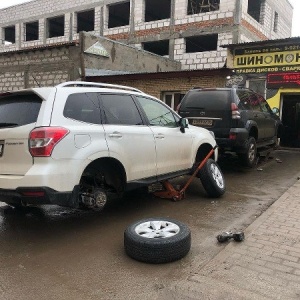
(200, 122)
(1, 147)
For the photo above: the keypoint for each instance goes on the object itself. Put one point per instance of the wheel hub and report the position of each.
(157, 229)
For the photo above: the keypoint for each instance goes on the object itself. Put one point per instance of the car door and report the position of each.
(270, 121)
(173, 147)
(128, 139)
(258, 115)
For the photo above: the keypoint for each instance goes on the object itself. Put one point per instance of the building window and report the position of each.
(256, 10)
(9, 35)
(202, 6)
(257, 85)
(118, 14)
(86, 20)
(157, 10)
(275, 25)
(157, 47)
(172, 98)
(56, 27)
(32, 31)
(201, 43)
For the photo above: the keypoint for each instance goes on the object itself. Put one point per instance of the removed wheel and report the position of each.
(212, 179)
(157, 240)
(248, 159)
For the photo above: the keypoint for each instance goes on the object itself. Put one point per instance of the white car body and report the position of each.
(143, 153)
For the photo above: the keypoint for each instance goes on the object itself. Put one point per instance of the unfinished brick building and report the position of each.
(188, 31)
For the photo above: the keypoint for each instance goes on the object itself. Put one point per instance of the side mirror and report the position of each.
(184, 123)
(275, 110)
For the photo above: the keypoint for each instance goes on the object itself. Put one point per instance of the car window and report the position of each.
(265, 106)
(83, 107)
(18, 110)
(255, 101)
(157, 113)
(244, 99)
(120, 109)
(207, 99)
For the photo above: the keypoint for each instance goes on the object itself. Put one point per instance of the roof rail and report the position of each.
(95, 84)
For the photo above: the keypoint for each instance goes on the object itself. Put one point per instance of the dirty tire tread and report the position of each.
(208, 183)
(244, 157)
(157, 251)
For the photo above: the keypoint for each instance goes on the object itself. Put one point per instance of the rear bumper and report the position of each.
(236, 140)
(39, 196)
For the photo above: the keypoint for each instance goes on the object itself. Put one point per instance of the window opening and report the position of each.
(172, 99)
(202, 6)
(118, 14)
(32, 31)
(201, 43)
(157, 47)
(157, 10)
(56, 26)
(10, 35)
(255, 9)
(86, 20)
(257, 85)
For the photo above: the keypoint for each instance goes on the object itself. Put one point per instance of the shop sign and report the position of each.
(267, 60)
(285, 80)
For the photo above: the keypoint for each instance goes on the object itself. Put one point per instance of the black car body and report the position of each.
(241, 119)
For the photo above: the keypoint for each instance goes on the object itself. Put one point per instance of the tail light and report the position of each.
(42, 140)
(235, 111)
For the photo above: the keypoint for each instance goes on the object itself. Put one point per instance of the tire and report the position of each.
(212, 179)
(248, 159)
(157, 240)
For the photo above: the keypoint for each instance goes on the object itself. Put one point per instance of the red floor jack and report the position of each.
(171, 193)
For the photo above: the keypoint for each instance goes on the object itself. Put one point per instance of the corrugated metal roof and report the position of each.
(290, 40)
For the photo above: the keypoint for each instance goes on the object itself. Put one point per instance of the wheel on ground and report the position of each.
(248, 159)
(157, 240)
(212, 179)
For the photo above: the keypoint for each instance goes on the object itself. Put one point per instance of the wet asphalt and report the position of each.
(59, 253)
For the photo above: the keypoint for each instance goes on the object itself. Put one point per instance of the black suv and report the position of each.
(241, 119)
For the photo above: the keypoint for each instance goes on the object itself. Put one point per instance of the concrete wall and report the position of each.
(231, 22)
(125, 58)
(51, 65)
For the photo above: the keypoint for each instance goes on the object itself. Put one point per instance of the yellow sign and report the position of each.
(274, 59)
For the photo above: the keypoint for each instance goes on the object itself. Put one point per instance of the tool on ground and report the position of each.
(171, 193)
(225, 236)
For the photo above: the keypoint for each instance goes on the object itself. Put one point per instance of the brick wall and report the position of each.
(177, 83)
(28, 69)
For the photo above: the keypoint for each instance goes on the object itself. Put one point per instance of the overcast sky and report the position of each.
(295, 3)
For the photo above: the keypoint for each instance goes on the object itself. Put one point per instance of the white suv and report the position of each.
(80, 143)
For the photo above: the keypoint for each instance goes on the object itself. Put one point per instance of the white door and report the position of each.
(128, 140)
(173, 147)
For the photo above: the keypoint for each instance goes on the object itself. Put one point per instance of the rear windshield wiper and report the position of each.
(8, 124)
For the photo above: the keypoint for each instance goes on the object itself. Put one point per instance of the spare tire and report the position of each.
(157, 240)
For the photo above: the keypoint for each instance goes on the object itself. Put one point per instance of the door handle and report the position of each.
(115, 135)
(159, 136)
